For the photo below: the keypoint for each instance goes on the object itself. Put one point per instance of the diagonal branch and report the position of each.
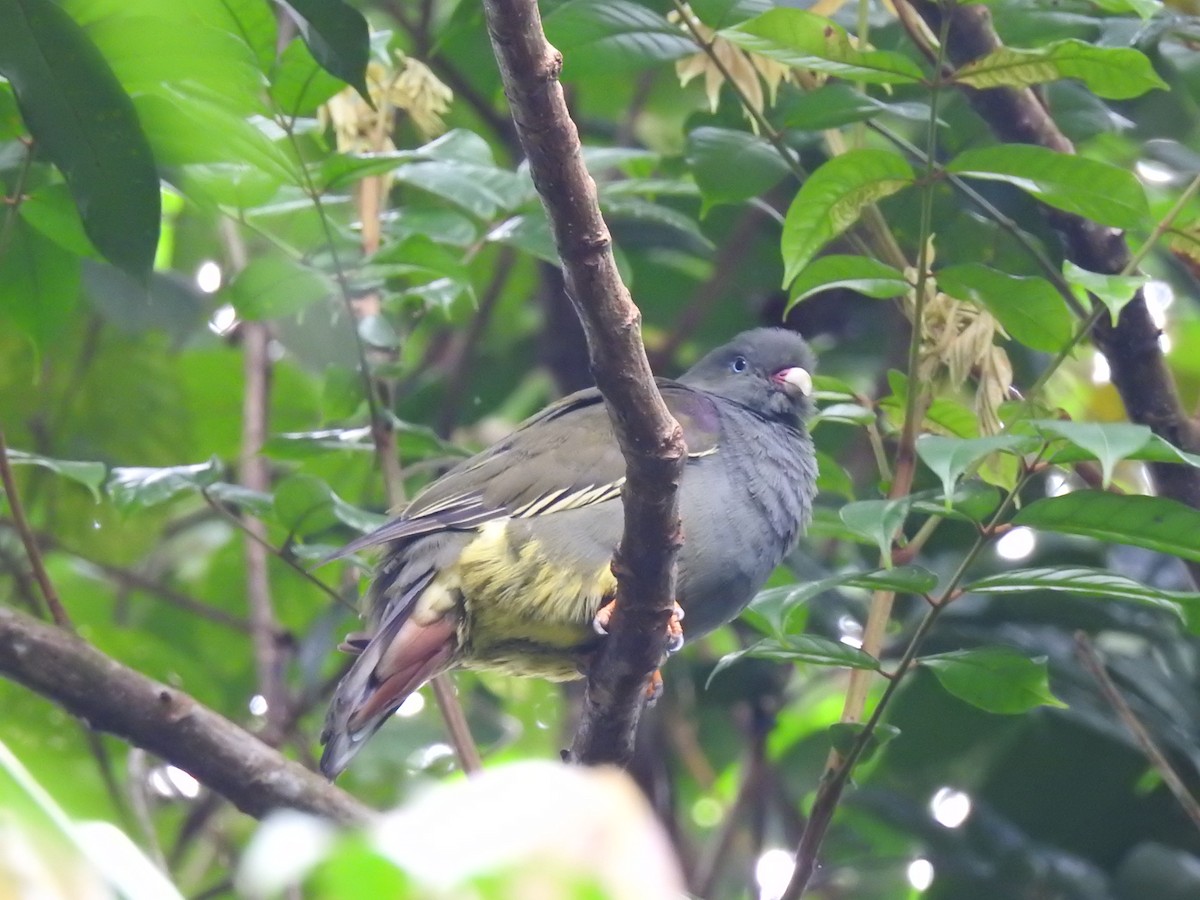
(1131, 347)
(165, 721)
(650, 440)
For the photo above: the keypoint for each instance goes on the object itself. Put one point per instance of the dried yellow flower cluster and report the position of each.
(958, 340)
(410, 88)
(748, 71)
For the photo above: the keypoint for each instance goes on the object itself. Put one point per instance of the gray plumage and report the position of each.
(503, 562)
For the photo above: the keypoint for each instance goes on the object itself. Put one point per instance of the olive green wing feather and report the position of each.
(565, 457)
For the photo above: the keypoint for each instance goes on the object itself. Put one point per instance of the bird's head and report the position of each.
(768, 370)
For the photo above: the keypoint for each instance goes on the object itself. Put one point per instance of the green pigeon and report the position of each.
(503, 563)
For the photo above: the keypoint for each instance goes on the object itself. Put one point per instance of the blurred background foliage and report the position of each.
(224, 189)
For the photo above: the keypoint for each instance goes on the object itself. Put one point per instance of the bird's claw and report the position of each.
(603, 617)
(654, 688)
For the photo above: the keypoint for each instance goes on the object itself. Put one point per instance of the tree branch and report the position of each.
(165, 721)
(650, 440)
(1135, 359)
(1086, 654)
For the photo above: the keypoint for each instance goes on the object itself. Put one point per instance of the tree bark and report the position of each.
(650, 439)
(165, 721)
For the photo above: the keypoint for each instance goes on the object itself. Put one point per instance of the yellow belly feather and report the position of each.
(519, 614)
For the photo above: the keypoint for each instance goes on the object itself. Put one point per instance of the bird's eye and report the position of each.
(739, 364)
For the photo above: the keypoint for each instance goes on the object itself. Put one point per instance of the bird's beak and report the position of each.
(795, 381)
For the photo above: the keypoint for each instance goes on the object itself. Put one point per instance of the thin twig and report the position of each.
(1052, 274)
(833, 783)
(750, 792)
(1095, 666)
(129, 579)
(460, 367)
(389, 464)
(13, 201)
(49, 593)
(59, 613)
(279, 554)
(904, 469)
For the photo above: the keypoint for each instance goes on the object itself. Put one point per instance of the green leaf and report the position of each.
(134, 487)
(357, 518)
(51, 210)
(83, 120)
(1161, 450)
(39, 285)
(1155, 523)
(805, 648)
(1145, 9)
(1029, 308)
(973, 501)
(837, 104)
(805, 40)
(731, 166)
(832, 198)
(185, 130)
(252, 21)
(856, 273)
(482, 190)
(173, 50)
(876, 520)
(832, 478)
(996, 679)
(945, 415)
(846, 413)
(257, 503)
(299, 84)
(168, 302)
(844, 735)
(1108, 442)
(273, 286)
(719, 13)
(1086, 582)
(611, 37)
(338, 37)
(1116, 73)
(304, 505)
(1114, 291)
(951, 458)
(774, 606)
(1089, 188)
(340, 169)
(89, 474)
(529, 234)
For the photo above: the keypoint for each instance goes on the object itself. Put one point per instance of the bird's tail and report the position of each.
(395, 662)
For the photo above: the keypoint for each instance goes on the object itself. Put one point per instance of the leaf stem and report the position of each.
(834, 781)
(384, 440)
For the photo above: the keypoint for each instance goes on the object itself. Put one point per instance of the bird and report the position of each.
(504, 562)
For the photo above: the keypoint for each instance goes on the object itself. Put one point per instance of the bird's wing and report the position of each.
(565, 457)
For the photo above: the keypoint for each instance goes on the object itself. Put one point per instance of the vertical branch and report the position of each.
(370, 201)
(650, 439)
(254, 474)
(917, 400)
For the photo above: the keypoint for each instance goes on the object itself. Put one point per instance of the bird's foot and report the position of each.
(674, 632)
(674, 626)
(654, 688)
